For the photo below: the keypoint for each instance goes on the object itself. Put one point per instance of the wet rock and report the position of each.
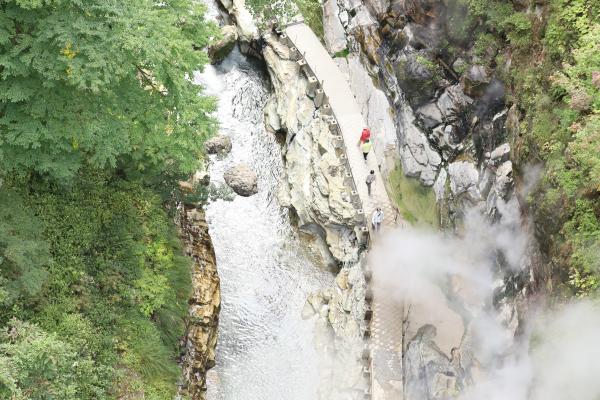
(417, 156)
(370, 41)
(205, 304)
(242, 180)
(334, 34)
(272, 122)
(447, 139)
(419, 37)
(488, 135)
(453, 102)
(344, 324)
(500, 154)
(221, 48)
(417, 76)
(475, 80)
(398, 41)
(377, 7)
(313, 305)
(504, 180)
(439, 187)
(429, 115)
(464, 180)
(428, 369)
(423, 12)
(247, 31)
(218, 144)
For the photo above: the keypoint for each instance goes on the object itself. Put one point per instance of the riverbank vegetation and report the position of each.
(284, 10)
(547, 53)
(98, 123)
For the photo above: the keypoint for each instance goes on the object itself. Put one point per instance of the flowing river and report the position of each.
(265, 350)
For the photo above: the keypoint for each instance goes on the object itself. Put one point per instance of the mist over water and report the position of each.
(265, 350)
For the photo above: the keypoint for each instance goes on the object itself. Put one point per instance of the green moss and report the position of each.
(415, 202)
(312, 11)
(342, 53)
(284, 10)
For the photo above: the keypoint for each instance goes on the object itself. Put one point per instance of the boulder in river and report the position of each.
(221, 48)
(242, 180)
(218, 144)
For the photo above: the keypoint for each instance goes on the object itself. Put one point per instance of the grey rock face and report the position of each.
(335, 36)
(418, 158)
(416, 77)
(429, 115)
(453, 102)
(475, 80)
(439, 187)
(314, 183)
(242, 180)
(464, 179)
(221, 48)
(489, 134)
(430, 373)
(500, 154)
(218, 144)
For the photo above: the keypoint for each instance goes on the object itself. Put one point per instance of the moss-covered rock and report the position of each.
(222, 47)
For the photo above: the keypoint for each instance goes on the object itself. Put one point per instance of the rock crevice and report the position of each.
(200, 340)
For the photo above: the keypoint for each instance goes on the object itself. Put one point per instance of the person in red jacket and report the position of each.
(365, 135)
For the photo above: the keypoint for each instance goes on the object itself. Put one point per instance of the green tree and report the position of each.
(24, 254)
(37, 365)
(101, 82)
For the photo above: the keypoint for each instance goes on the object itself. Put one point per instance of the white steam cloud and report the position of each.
(555, 356)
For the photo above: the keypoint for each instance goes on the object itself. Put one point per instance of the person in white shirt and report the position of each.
(377, 219)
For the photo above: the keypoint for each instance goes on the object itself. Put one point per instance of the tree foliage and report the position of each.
(98, 118)
(115, 286)
(24, 255)
(36, 365)
(101, 82)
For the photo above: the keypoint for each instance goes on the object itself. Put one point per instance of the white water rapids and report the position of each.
(265, 350)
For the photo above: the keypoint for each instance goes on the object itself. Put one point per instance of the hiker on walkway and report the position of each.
(366, 148)
(369, 181)
(365, 135)
(377, 219)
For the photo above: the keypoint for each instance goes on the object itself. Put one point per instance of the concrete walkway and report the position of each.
(386, 325)
(394, 321)
(351, 122)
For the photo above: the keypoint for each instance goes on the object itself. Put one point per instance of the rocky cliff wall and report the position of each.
(450, 119)
(204, 304)
(315, 187)
(453, 131)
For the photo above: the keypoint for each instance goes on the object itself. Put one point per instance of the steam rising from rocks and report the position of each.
(552, 356)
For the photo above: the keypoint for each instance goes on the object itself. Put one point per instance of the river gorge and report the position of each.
(299, 199)
(293, 284)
